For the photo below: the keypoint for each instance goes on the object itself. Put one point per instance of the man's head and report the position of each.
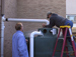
(19, 26)
(49, 14)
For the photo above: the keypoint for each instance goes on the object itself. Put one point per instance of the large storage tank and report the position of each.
(44, 45)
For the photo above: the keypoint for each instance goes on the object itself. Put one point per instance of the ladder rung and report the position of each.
(60, 38)
(65, 51)
(71, 54)
(65, 26)
(63, 38)
(69, 46)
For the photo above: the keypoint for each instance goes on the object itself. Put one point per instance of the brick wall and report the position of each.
(28, 9)
(38, 9)
(10, 12)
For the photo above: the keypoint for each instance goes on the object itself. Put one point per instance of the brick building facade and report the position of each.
(31, 9)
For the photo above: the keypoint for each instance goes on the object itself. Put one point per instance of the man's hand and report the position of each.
(26, 40)
(43, 25)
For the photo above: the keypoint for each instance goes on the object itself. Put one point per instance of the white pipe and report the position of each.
(27, 20)
(2, 37)
(21, 20)
(32, 42)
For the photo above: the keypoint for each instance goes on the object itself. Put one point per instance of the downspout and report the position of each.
(2, 28)
(32, 35)
(2, 36)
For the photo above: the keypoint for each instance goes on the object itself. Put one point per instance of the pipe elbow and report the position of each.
(35, 33)
(47, 22)
(3, 18)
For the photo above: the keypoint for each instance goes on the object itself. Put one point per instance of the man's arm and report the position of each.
(51, 24)
(22, 47)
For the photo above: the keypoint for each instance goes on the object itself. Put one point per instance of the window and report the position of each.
(71, 17)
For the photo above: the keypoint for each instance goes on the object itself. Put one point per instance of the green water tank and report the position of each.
(44, 45)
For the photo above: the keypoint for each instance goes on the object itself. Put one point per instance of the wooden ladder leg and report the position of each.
(66, 49)
(64, 42)
(72, 40)
(56, 43)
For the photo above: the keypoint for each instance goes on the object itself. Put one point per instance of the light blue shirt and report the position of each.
(19, 46)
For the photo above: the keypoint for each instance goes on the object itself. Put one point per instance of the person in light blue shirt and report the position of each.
(19, 46)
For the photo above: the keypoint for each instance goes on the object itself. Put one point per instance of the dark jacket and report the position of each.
(56, 20)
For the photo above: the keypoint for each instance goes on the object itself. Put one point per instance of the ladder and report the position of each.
(64, 31)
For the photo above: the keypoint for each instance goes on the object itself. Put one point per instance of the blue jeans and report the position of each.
(70, 23)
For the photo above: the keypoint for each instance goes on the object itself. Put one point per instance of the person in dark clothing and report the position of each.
(56, 20)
